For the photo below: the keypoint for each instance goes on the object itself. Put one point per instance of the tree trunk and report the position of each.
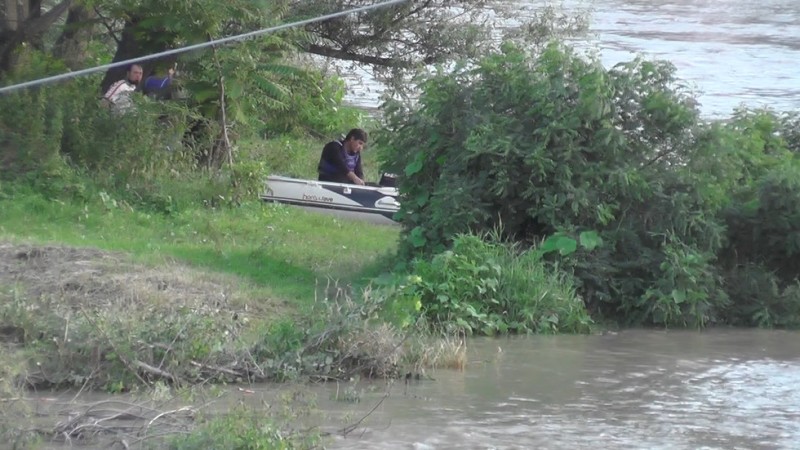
(222, 148)
(128, 48)
(12, 15)
(72, 43)
(35, 12)
(135, 43)
(26, 24)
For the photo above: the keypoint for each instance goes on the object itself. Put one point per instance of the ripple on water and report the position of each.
(637, 390)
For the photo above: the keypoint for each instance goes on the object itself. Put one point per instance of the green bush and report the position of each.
(762, 257)
(552, 144)
(760, 298)
(488, 288)
(687, 291)
(243, 429)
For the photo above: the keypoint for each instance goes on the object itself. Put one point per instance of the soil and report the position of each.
(94, 278)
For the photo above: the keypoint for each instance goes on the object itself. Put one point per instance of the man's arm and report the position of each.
(154, 83)
(359, 170)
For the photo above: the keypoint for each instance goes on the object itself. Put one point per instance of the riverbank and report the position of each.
(99, 296)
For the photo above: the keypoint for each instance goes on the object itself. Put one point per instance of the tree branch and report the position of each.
(350, 56)
(35, 26)
(108, 27)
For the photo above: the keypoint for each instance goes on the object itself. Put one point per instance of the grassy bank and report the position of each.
(100, 289)
(281, 249)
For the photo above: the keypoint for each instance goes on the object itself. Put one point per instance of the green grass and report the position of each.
(280, 248)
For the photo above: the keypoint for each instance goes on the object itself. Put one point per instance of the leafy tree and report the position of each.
(761, 258)
(555, 143)
(397, 41)
(25, 21)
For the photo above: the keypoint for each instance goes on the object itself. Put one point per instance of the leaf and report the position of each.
(417, 237)
(679, 296)
(590, 240)
(564, 245)
(567, 246)
(204, 95)
(234, 90)
(415, 166)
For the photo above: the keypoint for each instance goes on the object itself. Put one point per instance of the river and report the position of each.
(634, 389)
(731, 52)
(718, 389)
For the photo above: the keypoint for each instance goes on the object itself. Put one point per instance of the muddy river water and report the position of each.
(636, 389)
(730, 52)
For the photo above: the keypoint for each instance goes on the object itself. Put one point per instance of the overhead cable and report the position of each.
(189, 48)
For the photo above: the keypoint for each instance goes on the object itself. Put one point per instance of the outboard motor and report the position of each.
(388, 180)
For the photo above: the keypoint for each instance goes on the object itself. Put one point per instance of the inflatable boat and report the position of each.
(371, 199)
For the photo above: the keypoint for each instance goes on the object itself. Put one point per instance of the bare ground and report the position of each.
(98, 279)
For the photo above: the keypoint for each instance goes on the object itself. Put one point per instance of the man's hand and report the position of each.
(354, 178)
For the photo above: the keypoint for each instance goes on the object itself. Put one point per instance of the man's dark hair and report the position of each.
(358, 134)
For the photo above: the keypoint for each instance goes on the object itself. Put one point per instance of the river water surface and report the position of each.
(731, 52)
(636, 389)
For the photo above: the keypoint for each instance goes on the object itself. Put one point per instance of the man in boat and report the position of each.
(341, 159)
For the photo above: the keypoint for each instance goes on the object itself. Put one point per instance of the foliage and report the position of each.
(554, 145)
(396, 41)
(490, 288)
(762, 258)
(687, 291)
(243, 429)
(69, 136)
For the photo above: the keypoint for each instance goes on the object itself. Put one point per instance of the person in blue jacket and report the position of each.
(340, 161)
(159, 87)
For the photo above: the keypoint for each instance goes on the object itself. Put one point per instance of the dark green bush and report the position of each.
(556, 144)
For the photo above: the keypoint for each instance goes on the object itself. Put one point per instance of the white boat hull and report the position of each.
(335, 196)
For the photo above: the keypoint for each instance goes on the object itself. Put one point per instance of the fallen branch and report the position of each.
(101, 419)
(155, 371)
(350, 428)
(113, 347)
(166, 413)
(217, 369)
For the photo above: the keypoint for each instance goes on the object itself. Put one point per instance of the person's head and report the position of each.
(135, 73)
(355, 140)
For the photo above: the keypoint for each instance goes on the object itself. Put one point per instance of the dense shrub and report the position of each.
(487, 287)
(556, 143)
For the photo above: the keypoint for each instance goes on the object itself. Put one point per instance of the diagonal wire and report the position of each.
(238, 37)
